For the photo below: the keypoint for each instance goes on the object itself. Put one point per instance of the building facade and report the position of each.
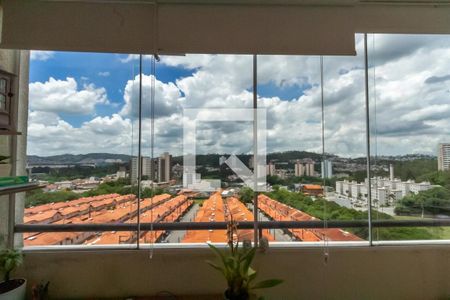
(299, 169)
(270, 170)
(327, 169)
(444, 157)
(164, 167)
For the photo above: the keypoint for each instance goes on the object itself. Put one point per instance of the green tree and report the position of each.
(433, 201)
(246, 195)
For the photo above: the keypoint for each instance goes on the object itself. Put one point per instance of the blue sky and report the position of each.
(96, 110)
(103, 70)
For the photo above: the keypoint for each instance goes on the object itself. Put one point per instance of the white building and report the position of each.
(382, 189)
(444, 157)
(270, 169)
(327, 169)
(340, 187)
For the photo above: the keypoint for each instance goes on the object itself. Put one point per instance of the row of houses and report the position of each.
(156, 209)
(278, 211)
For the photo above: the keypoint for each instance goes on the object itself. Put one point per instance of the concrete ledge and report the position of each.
(382, 272)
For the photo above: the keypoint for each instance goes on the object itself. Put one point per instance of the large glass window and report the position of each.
(410, 127)
(81, 139)
(130, 141)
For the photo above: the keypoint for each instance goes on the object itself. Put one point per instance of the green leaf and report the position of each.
(267, 284)
(248, 258)
(218, 268)
(215, 266)
(252, 275)
(218, 253)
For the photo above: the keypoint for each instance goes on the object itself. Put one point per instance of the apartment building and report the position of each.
(444, 157)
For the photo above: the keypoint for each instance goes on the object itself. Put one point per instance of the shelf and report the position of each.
(4, 131)
(11, 189)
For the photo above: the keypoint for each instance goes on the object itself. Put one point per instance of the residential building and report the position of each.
(312, 189)
(270, 169)
(309, 169)
(164, 170)
(382, 189)
(299, 169)
(148, 168)
(444, 157)
(327, 169)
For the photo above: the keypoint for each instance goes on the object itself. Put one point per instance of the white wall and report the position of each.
(351, 273)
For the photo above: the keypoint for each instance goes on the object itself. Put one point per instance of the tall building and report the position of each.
(444, 157)
(309, 169)
(164, 170)
(327, 169)
(148, 169)
(271, 169)
(299, 169)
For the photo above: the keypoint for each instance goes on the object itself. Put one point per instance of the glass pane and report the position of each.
(80, 144)
(200, 89)
(2, 102)
(3, 85)
(410, 127)
(301, 178)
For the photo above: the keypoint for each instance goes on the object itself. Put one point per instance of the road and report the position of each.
(177, 236)
(278, 234)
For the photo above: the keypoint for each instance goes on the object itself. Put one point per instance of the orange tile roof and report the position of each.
(241, 213)
(212, 210)
(171, 209)
(41, 217)
(312, 187)
(281, 212)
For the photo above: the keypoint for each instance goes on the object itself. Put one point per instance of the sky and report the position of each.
(87, 102)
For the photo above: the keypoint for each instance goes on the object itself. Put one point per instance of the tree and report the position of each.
(246, 195)
(433, 201)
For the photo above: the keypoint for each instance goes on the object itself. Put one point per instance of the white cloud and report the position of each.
(104, 74)
(168, 97)
(413, 111)
(64, 96)
(41, 55)
(48, 134)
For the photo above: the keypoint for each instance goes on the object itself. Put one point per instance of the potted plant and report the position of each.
(11, 289)
(235, 266)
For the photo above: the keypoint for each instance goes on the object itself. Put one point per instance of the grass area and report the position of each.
(199, 201)
(441, 232)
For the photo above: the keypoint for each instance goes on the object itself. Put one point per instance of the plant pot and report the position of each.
(14, 289)
(227, 295)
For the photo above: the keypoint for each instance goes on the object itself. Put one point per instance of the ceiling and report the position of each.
(223, 26)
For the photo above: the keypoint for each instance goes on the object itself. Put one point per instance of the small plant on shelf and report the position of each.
(235, 266)
(10, 259)
(12, 289)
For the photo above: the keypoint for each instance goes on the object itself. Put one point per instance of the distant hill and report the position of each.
(213, 159)
(97, 158)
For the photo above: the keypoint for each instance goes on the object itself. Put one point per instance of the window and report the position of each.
(410, 115)
(174, 148)
(5, 98)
